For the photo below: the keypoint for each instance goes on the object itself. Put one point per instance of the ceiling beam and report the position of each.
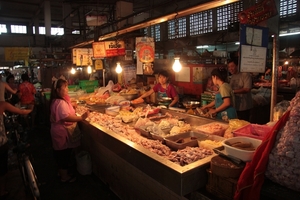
(21, 2)
(183, 13)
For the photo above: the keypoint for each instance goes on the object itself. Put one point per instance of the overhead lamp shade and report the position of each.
(177, 65)
(118, 68)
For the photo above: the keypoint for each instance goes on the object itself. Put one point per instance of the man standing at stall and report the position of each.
(241, 83)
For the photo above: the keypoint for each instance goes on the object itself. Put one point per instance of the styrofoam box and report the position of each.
(244, 155)
(213, 128)
(253, 130)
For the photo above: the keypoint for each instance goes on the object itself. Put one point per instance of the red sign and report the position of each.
(146, 53)
(259, 12)
(108, 49)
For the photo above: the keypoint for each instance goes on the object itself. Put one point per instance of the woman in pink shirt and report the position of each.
(62, 114)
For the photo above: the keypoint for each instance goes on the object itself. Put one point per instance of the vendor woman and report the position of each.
(224, 99)
(163, 89)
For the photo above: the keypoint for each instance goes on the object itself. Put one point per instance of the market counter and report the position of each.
(133, 172)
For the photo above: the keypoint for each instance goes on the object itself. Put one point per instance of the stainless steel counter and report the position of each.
(134, 172)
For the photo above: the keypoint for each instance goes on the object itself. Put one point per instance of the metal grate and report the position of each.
(288, 8)
(201, 23)
(228, 14)
(155, 32)
(181, 29)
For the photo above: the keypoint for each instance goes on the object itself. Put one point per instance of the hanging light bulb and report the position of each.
(73, 70)
(177, 65)
(89, 69)
(118, 68)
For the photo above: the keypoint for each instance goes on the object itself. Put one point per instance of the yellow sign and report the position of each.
(16, 53)
(98, 64)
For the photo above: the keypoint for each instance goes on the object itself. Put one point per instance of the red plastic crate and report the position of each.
(253, 130)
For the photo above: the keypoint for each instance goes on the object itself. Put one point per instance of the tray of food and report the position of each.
(213, 128)
(144, 132)
(183, 140)
(155, 136)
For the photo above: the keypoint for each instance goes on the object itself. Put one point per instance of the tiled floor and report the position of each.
(86, 187)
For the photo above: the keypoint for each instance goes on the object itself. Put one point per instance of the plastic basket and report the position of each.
(47, 95)
(88, 89)
(221, 187)
(72, 87)
(253, 130)
(85, 83)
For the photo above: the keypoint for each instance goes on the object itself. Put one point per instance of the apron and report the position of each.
(231, 112)
(160, 95)
(164, 94)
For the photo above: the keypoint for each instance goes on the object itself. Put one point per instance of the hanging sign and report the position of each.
(108, 49)
(84, 56)
(145, 51)
(98, 64)
(254, 44)
(12, 54)
(258, 13)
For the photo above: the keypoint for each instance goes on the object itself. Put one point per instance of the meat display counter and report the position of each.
(134, 172)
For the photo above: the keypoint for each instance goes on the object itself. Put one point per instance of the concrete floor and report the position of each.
(85, 187)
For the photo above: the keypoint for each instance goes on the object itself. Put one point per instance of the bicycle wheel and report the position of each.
(32, 179)
(23, 171)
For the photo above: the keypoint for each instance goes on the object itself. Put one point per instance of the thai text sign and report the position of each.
(16, 53)
(258, 13)
(83, 56)
(108, 49)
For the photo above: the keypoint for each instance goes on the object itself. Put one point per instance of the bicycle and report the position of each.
(27, 171)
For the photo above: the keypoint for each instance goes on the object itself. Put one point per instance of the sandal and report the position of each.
(70, 180)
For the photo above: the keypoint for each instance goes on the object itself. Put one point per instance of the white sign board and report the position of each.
(253, 59)
(184, 75)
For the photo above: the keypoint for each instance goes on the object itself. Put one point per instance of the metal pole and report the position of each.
(274, 76)
(103, 76)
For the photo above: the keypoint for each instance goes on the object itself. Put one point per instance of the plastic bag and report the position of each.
(108, 88)
(115, 100)
(84, 163)
(141, 122)
(280, 109)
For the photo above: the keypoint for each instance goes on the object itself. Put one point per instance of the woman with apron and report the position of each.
(163, 89)
(224, 99)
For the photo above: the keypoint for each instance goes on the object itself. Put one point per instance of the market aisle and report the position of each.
(85, 187)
